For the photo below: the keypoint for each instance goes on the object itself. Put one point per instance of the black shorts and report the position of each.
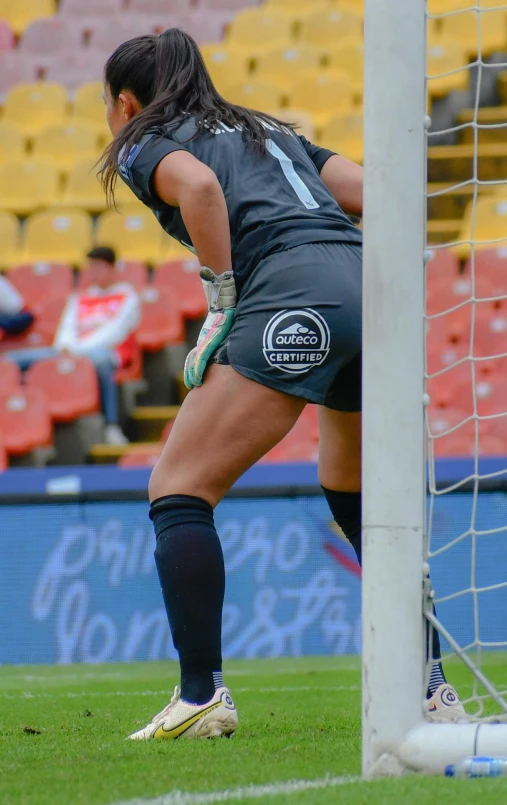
(297, 326)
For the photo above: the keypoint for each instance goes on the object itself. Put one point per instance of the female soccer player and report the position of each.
(265, 212)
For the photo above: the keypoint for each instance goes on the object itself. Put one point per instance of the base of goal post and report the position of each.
(429, 748)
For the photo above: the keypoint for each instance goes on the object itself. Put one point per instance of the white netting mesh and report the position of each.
(466, 344)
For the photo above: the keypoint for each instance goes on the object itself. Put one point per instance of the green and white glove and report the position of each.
(221, 295)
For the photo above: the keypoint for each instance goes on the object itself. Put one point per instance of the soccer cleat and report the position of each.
(181, 719)
(445, 705)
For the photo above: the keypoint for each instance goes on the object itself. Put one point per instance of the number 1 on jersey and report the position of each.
(295, 181)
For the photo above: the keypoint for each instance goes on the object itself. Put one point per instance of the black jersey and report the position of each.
(275, 202)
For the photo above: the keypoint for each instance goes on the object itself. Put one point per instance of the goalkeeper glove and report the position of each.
(221, 295)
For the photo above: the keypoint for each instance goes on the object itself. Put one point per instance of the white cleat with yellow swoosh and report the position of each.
(183, 720)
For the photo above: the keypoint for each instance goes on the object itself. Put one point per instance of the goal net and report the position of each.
(435, 377)
(466, 343)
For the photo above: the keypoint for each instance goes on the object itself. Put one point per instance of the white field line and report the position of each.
(246, 792)
(134, 693)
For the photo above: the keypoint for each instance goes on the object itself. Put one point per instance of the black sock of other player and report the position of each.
(346, 510)
(190, 567)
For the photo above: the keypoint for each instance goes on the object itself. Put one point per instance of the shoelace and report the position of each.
(175, 699)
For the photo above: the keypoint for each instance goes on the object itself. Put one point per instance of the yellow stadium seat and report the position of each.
(64, 143)
(83, 188)
(444, 57)
(135, 234)
(255, 95)
(125, 197)
(325, 29)
(33, 106)
(20, 13)
(344, 134)
(298, 9)
(324, 95)
(298, 117)
(348, 57)
(89, 106)
(172, 249)
(9, 238)
(28, 185)
(286, 66)
(57, 236)
(12, 142)
(256, 29)
(357, 6)
(477, 36)
(486, 224)
(223, 63)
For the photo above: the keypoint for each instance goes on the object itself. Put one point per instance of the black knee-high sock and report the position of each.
(346, 510)
(190, 566)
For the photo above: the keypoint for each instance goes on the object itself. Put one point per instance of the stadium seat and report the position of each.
(69, 384)
(491, 263)
(38, 282)
(348, 57)
(141, 455)
(444, 6)
(490, 395)
(324, 95)
(135, 234)
(485, 35)
(257, 29)
(444, 294)
(133, 372)
(10, 377)
(113, 30)
(135, 273)
(25, 421)
(300, 444)
(12, 142)
(7, 41)
(457, 444)
(45, 37)
(58, 237)
(226, 5)
(223, 63)
(64, 143)
(442, 422)
(326, 28)
(159, 6)
(74, 68)
(49, 313)
(485, 223)
(490, 333)
(9, 238)
(15, 69)
(33, 106)
(20, 13)
(90, 8)
(27, 185)
(83, 188)
(286, 66)
(255, 94)
(303, 121)
(298, 8)
(445, 59)
(441, 263)
(4, 459)
(344, 134)
(161, 322)
(89, 106)
(181, 278)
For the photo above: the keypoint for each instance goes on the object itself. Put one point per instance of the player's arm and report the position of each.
(181, 180)
(341, 176)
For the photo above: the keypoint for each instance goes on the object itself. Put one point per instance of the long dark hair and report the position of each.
(168, 77)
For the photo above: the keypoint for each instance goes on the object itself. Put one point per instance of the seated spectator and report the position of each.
(15, 317)
(98, 323)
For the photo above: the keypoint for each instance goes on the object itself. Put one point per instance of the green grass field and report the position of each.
(62, 739)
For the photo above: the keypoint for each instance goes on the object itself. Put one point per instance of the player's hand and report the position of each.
(221, 295)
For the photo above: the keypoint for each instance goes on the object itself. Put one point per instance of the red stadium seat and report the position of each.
(91, 8)
(444, 293)
(167, 430)
(111, 32)
(490, 334)
(492, 263)
(301, 443)
(182, 278)
(226, 5)
(451, 328)
(442, 263)
(159, 6)
(10, 377)
(4, 462)
(145, 455)
(70, 385)
(7, 41)
(75, 67)
(135, 273)
(457, 444)
(15, 69)
(134, 370)
(38, 282)
(208, 27)
(48, 317)
(162, 321)
(45, 38)
(25, 421)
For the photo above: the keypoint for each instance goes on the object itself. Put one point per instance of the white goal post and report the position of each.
(396, 738)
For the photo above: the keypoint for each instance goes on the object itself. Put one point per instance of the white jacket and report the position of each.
(98, 318)
(11, 301)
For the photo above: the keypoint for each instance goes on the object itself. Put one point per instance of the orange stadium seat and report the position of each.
(324, 95)
(64, 143)
(161, 322)
(58, 237)
(286, 66)
(135, 234)
(325, 29)
(38, 282)
(9, 238)
(33, 106)
(12, 142)
(181, 278)
(7, 41)
(224, 62)
(10, 377)
(20, 13)
(135, 273)
(25, 421)
(27, 185)
(258, 29)
(69, 384)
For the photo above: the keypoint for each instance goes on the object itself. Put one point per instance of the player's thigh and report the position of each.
(340, 450)
(223, 428)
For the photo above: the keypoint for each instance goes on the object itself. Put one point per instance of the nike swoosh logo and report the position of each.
(175, 732)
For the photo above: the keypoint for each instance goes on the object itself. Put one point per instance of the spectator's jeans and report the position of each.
(105, 364)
